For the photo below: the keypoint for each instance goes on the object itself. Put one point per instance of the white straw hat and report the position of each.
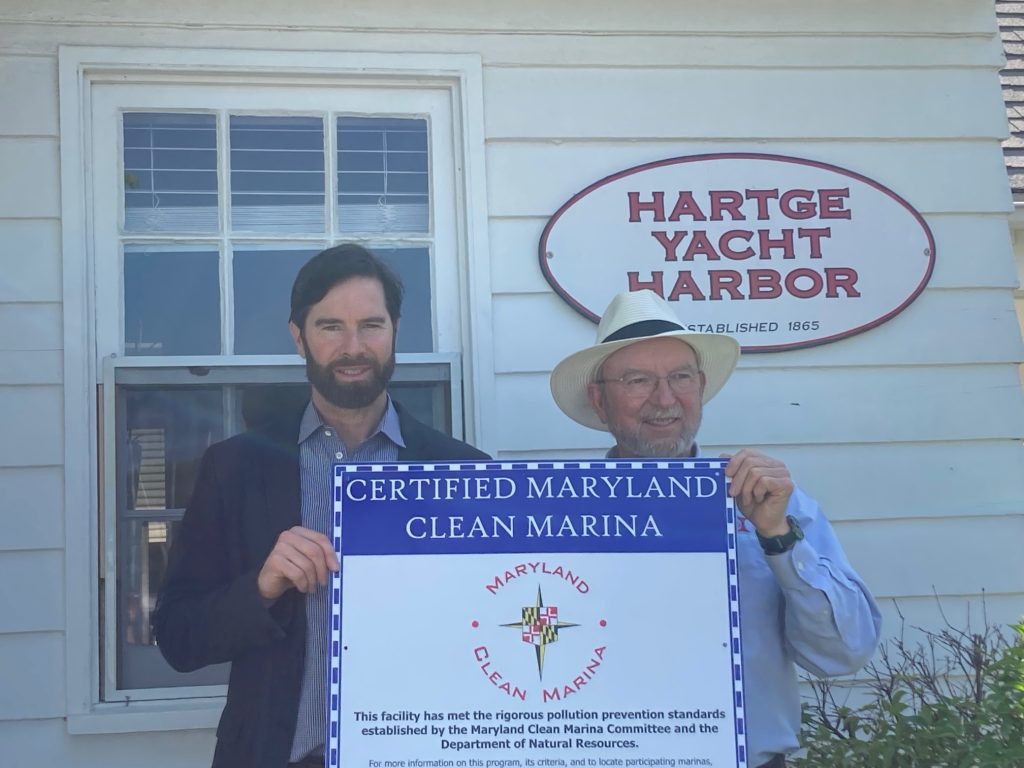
(632, 317)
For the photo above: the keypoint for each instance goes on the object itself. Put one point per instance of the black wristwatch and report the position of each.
(776, 545)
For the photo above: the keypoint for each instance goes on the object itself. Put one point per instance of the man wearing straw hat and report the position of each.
(645, 381)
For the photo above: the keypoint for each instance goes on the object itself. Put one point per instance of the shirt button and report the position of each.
(339, 455)
(327, 432)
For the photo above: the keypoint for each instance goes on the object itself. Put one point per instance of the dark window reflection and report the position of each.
(261, 306)
(163, 432)
(416, 331)
(171, 302)
(277, 173)
(383, 174)
(170, 172)
(262, 309)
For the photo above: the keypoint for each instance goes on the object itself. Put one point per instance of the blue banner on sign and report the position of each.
(396, 509)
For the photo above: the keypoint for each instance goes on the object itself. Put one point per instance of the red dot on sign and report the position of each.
(475, 623)
(604, 623)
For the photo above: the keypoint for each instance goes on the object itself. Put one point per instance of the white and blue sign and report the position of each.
(509, 615)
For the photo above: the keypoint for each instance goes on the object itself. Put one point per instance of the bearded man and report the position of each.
(646, 381)
(247, 577)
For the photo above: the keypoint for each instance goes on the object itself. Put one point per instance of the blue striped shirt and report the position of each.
(319, 448)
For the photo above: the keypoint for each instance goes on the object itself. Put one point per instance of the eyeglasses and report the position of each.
(643, 383)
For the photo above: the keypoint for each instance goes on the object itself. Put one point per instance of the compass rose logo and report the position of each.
(540, 625)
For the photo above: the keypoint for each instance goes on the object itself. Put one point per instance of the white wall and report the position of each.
(909, 434)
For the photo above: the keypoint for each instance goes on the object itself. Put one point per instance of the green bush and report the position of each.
(954, 700)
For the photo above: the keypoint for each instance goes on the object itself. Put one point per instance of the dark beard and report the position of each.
(354, 395)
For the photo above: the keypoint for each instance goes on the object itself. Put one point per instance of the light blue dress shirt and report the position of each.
(319, 449)
(806, 607)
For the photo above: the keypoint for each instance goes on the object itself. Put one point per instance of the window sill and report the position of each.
(140, 717)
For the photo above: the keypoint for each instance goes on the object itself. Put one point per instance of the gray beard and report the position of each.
(634, 445)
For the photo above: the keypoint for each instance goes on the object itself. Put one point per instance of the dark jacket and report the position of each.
(209, 610)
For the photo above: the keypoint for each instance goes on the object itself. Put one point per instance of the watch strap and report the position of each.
(778, 545)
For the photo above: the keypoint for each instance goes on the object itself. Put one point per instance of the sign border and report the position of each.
(332, 756)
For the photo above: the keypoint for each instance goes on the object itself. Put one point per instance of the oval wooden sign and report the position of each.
(778, 252)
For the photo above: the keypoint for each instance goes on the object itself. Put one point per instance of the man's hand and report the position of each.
(301, 558)
(761, 486)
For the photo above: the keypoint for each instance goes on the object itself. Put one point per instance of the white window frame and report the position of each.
(86, 74)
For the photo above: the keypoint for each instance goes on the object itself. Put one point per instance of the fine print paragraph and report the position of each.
(554, 738)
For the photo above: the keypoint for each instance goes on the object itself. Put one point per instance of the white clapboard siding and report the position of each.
(940, 327)
(30, 327)
(536, 178)
(33, 426)
(31, 508)
(899, 558)
(31, 179)
(910, 620)
(835, 17)
(852, 405)
(29, 260)
(970, 253)
(770, 103)
(961, 479)
(32, 668)
(916, 622)
(31, 591)
(31, 83)
(645, 48)
(943, 479)
(47, 743)
(960, 611)
(913, 452)
(658, 49)
(820, 406)
(31, 367)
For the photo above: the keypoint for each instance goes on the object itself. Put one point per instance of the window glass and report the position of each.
(171, 301)
(263, 278)
(383, 175)
(162, 435)
(163, 431)
(220, 209)
(415, 331)
(170, 172)
(277, 174)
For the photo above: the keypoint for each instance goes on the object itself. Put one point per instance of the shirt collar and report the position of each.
(389, 425)
(613, 453)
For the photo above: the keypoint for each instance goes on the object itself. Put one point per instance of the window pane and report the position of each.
(263, 282)
(170, 172)
(277, 174)
(162, 434)
(171, 302)
(383, 182)
(427, 401)
(140, 664)
(162, 431)
(416, 330)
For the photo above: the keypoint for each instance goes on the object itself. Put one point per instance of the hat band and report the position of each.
(641, 329)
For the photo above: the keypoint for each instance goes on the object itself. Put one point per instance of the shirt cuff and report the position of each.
(795, 569)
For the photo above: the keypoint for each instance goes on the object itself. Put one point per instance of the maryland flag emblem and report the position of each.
(540, 625)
